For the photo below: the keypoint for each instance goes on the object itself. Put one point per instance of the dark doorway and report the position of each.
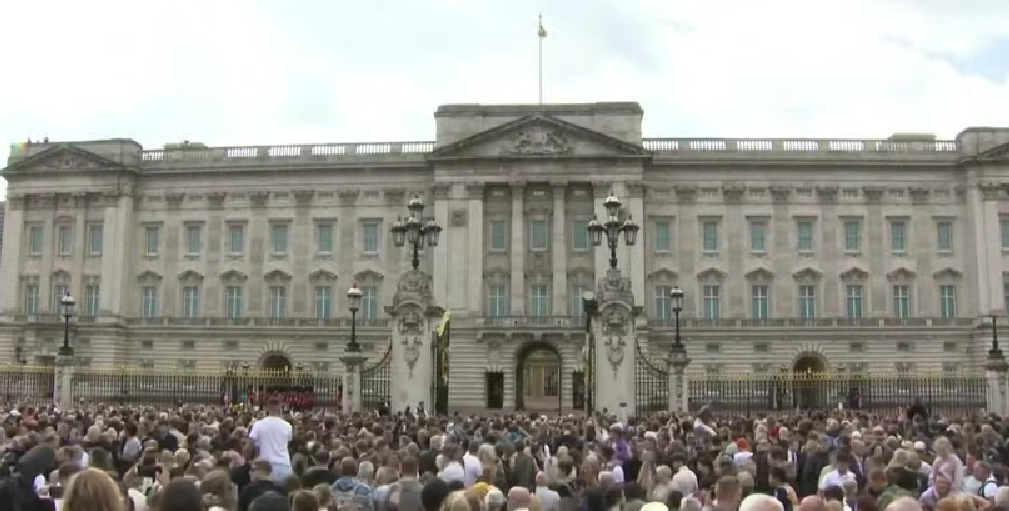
(494, 382)
(578, 390)
(810, 391)
(538, 378)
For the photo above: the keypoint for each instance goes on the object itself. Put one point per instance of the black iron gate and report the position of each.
(376, 382)
(651, 383)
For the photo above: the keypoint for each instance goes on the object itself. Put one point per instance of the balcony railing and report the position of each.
(527, 322)
(258, 322)
(812, 322)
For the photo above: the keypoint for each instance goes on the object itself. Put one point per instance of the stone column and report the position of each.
(412, 342)
(13, 228)
(518, 250)
(995, 372)
(614, 333)
(352, 363)
(63, 392)
(559, 254)
(678, 392)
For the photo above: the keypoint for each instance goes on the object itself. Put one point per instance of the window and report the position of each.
(575, 300)
(944, 235)
(711, 303)
(663, 303)
(539, 300)
(236, 239)
(194, 240)
(369, 302)
(278, 301)
(663, 236)
(278, 238)
(804, 235)
(807, 301)
(853, 302)
(35, 240)
(233, 301)
(152, 240)
(148, 301)
(96, 236)
(31, 299)
(901, 301)
(65, 240)
(191, 301)
(709, 236)
(324, 238)
(760, 303)
(538, 234)
(758, 236)
(1005, 232)
(852, 235)
(369, 237)
(323, 302)
(498, 235)
(92, 295)
(497, 301)
(898, 236)
(580, 235)
(59, 291)
(947, 300)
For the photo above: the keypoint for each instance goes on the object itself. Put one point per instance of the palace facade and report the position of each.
(861, 255)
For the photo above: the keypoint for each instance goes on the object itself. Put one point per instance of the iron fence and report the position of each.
(27, 384)
(943, 393)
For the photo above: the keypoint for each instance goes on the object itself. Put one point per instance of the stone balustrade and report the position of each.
(671, 148)
(210, 321)
(705, 324)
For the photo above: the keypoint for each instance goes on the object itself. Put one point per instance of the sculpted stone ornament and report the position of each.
(614, 287)
(538, 141)
(615, 353)
(615, 324)
(410, 322)
(411, 351)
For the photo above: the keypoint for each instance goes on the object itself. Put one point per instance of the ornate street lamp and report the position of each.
(354, 299)
(68, 303)
(613, 228)
(415, 230)
(676, 297)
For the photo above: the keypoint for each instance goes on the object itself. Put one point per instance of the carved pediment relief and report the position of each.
(149, 276)
(368, 276)
(808, 273)
(995, 154)
(711, 273)
(234, 276)
(854, 273)
(663, 275)
(61, 275)
(901, 273)
(496, 276)
(759, 274)
(949, 273)
(537, 135)
(322, 275)
(277, 275)
(192, 276)
(63, 158)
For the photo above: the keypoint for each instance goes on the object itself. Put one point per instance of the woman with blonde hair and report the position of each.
(93, 489)
(219, 493)
(456, 501)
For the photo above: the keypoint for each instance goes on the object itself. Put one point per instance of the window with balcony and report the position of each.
(148, 301)
(902, 301)
(323, 302)
(760, 302)
(369, 302)
(663, 302)
(575, 300)
(191, 301)
(234, 301)
(711, 302)
(947, 300)
(60, 289)
(36, 240)
(278, 301)
(807, 301)
(854, 301)
(65, 240)
(96, 239)
(497, 301)
(92, 297)
(539, 300)
(30, 299)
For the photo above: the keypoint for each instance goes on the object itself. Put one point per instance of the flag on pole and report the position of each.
(541, 31)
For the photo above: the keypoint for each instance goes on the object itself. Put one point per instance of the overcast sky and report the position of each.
(248, 72)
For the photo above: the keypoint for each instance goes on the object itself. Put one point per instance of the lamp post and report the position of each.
(676, 297)
(591, 307)
(414, 230)
(613, 228)
(354, 299)
(68, 312)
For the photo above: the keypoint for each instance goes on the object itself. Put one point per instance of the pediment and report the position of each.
(63, 158)
(711, 273)
(854, 273)
(950, 273)
(149, 276)
(277, 275)
(808, 273)
(321, 275)
(663, 275)
(538, 136)
(234, 275)
(760, 273)
(900, 273)
(999, 153)
(368, 276)
(190, 275)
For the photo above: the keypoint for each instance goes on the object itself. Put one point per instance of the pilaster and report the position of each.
(636, 209)
(440, 259)
(615, 335)
(518, 250)
(63, 392)
(476, 248)
(352, 363)
(678, 392)
(559, 253)
(13, 232)
(412, 341)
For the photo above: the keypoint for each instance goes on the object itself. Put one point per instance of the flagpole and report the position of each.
(540, 61)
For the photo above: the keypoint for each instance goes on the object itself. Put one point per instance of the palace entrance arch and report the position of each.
(538, 378)
(276, 374)
(809, 388)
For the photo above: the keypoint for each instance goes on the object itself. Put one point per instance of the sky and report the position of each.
(256, 72)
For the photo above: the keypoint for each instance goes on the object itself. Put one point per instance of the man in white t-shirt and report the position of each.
(271, 436)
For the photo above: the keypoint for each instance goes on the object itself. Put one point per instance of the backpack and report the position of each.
(351, 500)
(980, 489)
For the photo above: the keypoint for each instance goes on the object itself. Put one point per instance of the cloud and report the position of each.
(248, 72)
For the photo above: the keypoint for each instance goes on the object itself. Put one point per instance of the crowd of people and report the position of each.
(196, 458)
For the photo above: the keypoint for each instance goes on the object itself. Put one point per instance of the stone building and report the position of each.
(862, 255)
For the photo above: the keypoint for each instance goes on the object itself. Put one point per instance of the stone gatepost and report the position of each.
(412, 342)
(678, 394)
(995, 371)
(353, 361)
(63, 377)
(614, 334)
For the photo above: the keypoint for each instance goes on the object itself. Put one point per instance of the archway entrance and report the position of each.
(276, 376)
(538, 377)
(276, 362)
(810, 390)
